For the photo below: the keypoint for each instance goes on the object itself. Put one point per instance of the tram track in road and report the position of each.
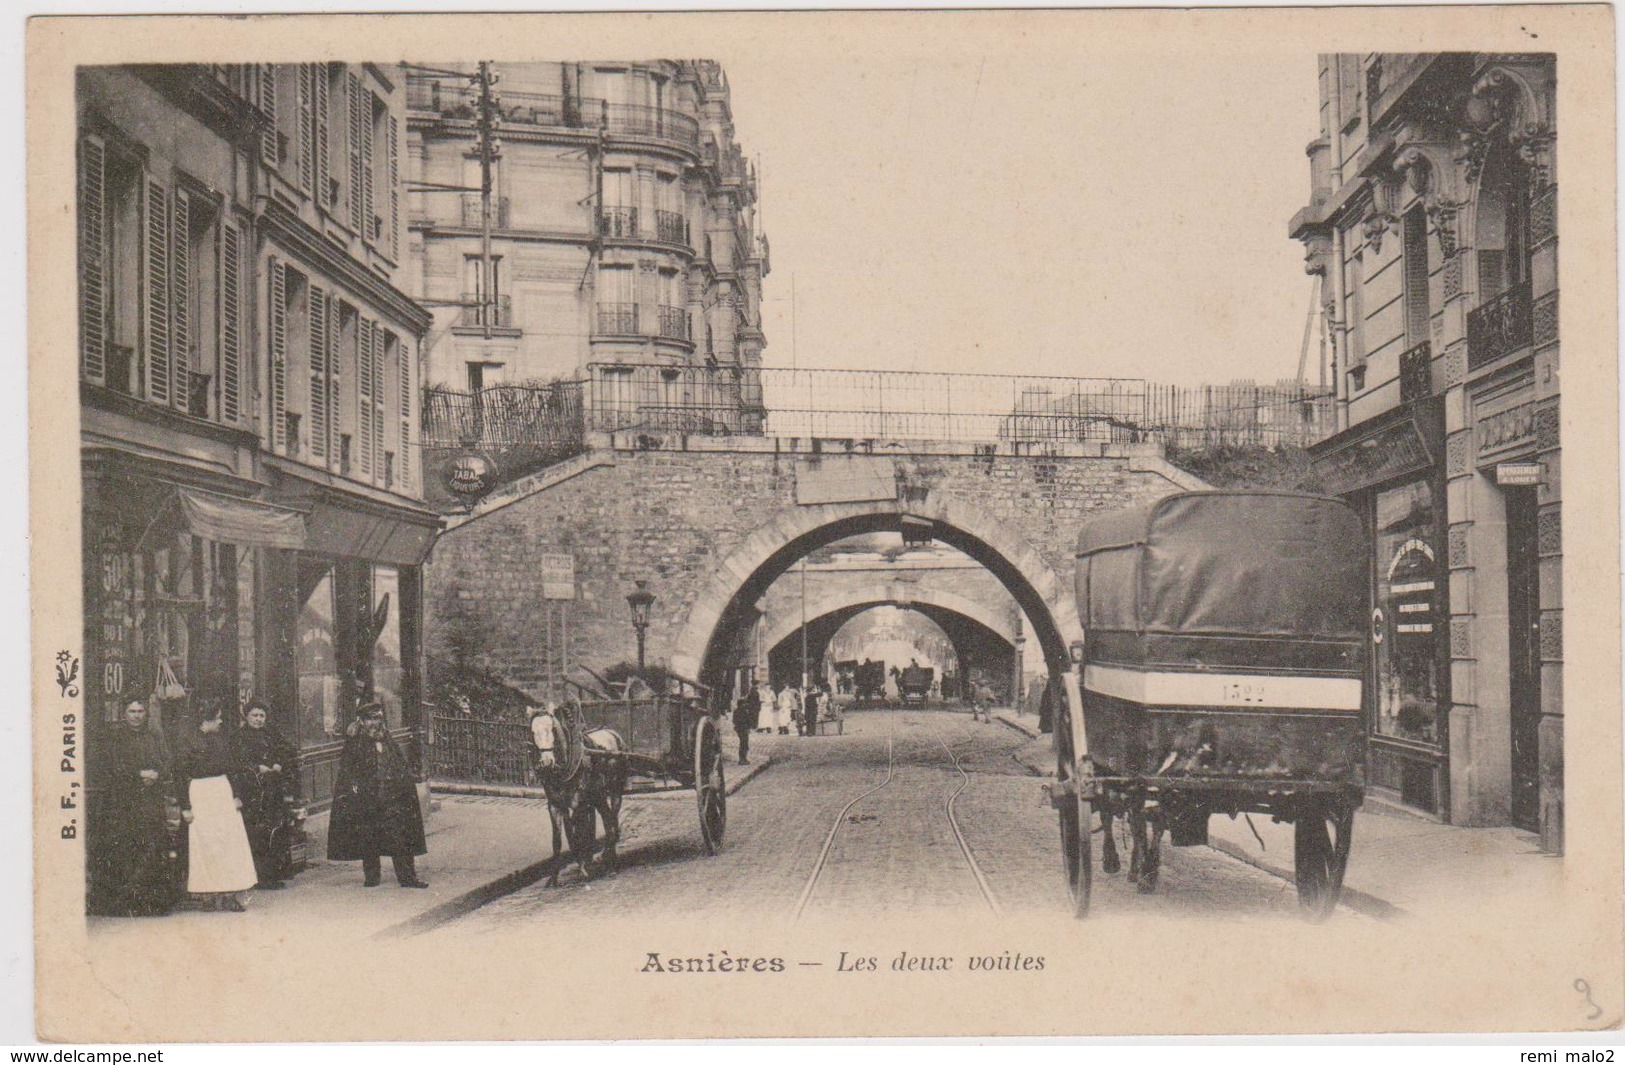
(953, 823)
(840, 819)
(948, 809)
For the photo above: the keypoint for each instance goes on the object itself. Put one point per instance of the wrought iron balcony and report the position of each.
(671, 227)
(618, 222)
(674, 323)
(1416, 373)
(471, 211)
(458, 99)
(478, 312)
(1499, 326)
(618, 318)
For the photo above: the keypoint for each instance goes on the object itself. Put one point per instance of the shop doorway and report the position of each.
(1523, 617)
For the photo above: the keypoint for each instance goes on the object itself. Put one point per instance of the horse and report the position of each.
(593, 786)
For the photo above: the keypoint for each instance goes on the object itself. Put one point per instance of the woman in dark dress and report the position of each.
(375, 805)
(270, 760)
(138, 789)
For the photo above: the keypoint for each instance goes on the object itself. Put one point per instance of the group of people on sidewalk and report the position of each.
(233, 793)
(767, 709)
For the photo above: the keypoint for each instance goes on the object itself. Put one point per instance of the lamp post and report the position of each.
(640, 600)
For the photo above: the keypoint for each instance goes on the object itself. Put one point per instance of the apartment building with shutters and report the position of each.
(625, 241)
(249, 379)
(1433, 223)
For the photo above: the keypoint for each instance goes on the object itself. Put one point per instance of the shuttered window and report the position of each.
(335, 367)
(364, 399)
(231, 328)
(394, 186)
(320, 356)
(278, 357)
(379, 421)
(369, 207)
(93, 264)
(180, 299)
(321, 133)
(268, 143)
(405, 413)
(356, 139)
(308, 73)
(155, 307)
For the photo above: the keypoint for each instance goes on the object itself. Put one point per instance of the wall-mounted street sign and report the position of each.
(558, 576)
(1514, 474)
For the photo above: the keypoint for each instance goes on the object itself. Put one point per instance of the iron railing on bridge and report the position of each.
(545, 417)
(732, 400)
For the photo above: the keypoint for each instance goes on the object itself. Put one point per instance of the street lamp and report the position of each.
(640, 600)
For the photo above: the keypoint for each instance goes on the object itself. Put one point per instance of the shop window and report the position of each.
(386, 651)
(1408, 624)
(316, 654)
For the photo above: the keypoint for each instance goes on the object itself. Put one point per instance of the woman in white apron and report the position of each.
(220, 863)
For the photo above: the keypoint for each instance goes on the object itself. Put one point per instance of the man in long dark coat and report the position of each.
(746, 716)
(375, 807)
(137, 777)
(271, 758)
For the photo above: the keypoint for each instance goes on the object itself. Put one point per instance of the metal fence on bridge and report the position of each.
(716, 400)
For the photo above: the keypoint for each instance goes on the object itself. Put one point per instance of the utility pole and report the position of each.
(804, 625)
(489, 147)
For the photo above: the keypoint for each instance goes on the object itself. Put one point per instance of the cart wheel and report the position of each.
(710, 789)
(1320, 846)
(1145, 861)
(1077, 824)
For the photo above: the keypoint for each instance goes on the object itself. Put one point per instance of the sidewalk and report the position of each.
(480, 847)
(1400, 864)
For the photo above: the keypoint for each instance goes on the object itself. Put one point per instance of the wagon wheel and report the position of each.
(710, 790)
(1076, 818)
(1320, 853)
(1145, 859)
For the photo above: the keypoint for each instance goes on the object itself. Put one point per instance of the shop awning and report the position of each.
(241, 521)
(341, 530)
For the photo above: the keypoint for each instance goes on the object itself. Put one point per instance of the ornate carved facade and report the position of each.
(1432, 224)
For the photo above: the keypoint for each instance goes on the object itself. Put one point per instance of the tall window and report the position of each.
(1409, 623)
(1418, 308)
(1502, 235)
(482, 290)
(617, 300)
(316, 655)
(620, 203)
(387, 669)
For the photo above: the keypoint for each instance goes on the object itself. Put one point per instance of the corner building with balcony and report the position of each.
(1432, 223)
(623, 221)
(248, 373)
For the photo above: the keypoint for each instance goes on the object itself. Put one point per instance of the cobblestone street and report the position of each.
(889, 779)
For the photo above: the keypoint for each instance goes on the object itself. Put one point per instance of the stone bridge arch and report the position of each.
(727, 600)
(851, 604)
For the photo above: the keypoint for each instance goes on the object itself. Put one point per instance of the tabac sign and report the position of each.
(470, 475)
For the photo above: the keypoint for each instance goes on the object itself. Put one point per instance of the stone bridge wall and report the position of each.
(674, 516)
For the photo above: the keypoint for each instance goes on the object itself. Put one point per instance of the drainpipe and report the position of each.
(1339, 323)
(1340, 327)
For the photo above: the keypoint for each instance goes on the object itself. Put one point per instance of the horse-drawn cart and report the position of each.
(1220, 674)
(609, 740)
(914, 683)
